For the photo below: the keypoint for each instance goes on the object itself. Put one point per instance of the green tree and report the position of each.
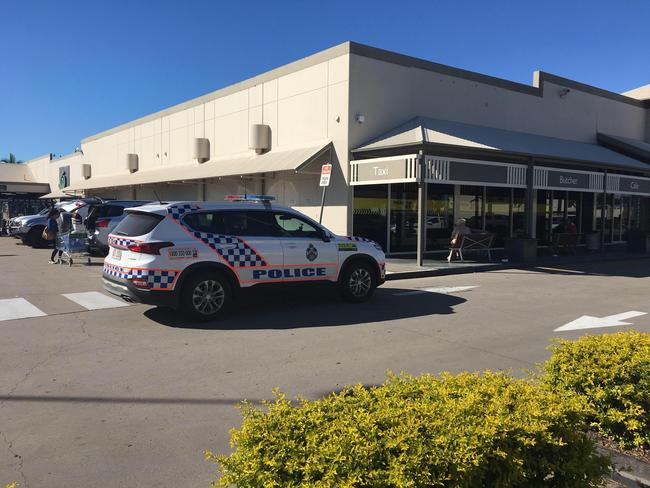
(11, 159)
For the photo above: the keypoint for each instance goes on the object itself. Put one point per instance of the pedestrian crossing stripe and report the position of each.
(20, 308)
(94, 300)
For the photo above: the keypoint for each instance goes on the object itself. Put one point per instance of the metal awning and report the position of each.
(59, 194)
(280, 159)
(631, 147)
(423, 132)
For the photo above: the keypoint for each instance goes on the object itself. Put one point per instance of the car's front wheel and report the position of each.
(206, 296)
(358, 282)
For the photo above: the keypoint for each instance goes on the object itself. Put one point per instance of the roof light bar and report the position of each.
(250, 198)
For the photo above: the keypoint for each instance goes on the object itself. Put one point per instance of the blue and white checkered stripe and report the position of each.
(359, 239)
(177, 211)
(120, 242)
(156, 278)
(233, 250)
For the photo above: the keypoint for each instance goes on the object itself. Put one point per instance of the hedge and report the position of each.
(463, 430)
(612, 372)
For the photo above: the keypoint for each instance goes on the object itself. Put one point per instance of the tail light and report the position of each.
(101, 223)
(149, 247)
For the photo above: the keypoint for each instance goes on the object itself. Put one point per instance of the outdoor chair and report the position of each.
(481, 242)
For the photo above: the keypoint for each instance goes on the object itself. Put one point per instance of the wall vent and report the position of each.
(86, 171)
(132, 163)
(260, 138)
(201, 149)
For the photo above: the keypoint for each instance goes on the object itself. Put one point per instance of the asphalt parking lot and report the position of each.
(94, 393)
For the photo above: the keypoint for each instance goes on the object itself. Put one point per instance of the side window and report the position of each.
(251, 223)
(114, 211)
(294, 226)
(210, 222)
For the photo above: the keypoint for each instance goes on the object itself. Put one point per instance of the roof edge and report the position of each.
(311, 60)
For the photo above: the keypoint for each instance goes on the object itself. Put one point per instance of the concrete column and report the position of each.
(422, 210)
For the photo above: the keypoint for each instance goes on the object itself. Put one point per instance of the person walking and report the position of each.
(460, 230)
(50, 233)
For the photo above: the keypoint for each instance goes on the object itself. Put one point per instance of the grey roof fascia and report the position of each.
(536, 89)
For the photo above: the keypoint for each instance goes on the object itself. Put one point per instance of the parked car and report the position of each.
(196, 255)
(103, 218)
(30, 228)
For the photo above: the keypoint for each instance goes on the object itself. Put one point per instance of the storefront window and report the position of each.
(470, 206)
(440, 216)
(519, 212)
(497, 213)
(403, 217)
(371, 213)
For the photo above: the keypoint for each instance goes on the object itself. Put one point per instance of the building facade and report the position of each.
(415, 145)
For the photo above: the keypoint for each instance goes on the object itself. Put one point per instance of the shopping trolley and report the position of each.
(72, 244)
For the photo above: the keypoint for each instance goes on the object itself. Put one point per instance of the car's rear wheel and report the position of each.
(35, 237)
(358, 282)
(206, 296)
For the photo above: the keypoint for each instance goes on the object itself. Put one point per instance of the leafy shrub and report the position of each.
(612, 372)
(467, 430)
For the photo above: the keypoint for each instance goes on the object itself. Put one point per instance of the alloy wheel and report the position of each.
(208, 297)
(360, 282)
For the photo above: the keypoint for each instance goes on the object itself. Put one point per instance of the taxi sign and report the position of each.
(325, 173)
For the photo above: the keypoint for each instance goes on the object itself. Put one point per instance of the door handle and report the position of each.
(292, 245)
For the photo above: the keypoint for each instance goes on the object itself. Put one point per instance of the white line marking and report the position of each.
(94, 300)
(18, 308)
(445, 290)
(590, 322)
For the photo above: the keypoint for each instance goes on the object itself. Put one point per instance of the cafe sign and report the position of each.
(631, 185)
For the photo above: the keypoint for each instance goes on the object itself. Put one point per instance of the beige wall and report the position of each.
(300, 107)
(389, 94)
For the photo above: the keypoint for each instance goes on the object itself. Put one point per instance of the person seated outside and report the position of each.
(460, 229)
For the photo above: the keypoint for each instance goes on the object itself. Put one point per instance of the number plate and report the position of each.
(117, 254)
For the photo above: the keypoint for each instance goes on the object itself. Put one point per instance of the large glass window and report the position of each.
(497, 213)
(371, 213)
(470, 206)
(403, 217)
(440, 216)
(519, 212)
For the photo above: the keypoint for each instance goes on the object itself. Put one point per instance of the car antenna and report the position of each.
(157, 197)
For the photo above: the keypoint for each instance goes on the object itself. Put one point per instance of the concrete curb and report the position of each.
(628, 470)
(424, 273)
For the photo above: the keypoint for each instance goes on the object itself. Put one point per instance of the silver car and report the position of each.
(103, 218)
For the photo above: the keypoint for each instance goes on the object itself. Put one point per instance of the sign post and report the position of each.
(325, 174)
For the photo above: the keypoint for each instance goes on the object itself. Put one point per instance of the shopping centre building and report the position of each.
(415, 146)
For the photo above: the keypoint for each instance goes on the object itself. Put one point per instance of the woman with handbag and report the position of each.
(50, 232)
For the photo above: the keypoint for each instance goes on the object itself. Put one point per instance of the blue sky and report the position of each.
(69, 69)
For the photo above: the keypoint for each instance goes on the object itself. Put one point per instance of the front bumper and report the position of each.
(127, 291)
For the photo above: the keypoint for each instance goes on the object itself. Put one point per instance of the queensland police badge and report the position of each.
(311, 253)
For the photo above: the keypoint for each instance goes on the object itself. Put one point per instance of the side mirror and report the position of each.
(325, 237)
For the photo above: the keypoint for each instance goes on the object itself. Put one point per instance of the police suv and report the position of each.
(196, 255)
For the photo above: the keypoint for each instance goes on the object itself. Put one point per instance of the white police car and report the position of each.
(196, 255)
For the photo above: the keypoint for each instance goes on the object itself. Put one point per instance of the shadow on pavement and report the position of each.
(126, 400)
(633, 268)
(313, 307)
